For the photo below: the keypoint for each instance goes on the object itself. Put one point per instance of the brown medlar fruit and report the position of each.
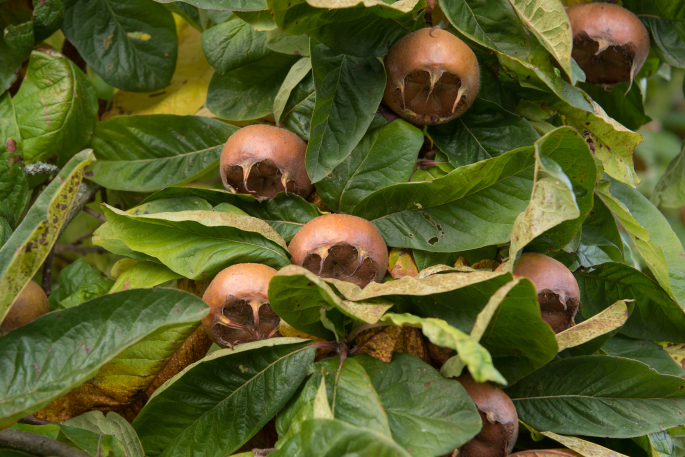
(29, 305)
(557, 288)
(610, 43)
(239, 305)
(500, 421)
(263, 160)
(343, 247)
(433, 77)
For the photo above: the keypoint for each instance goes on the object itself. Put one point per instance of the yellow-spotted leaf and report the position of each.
(608, 320)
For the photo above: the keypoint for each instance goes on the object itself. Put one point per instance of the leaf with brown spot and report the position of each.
(401, 264)
(608, 320)
(379, 342)
(29, 245)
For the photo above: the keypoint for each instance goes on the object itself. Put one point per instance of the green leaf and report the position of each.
(11, 13)
(223, 5)
(56, 108)
(351, 395)
(29, 245)
(548, 21)
(419, 402)
(198, 244)
(286, 214)
(131, 44)
(644, 351)
(113, 425)
(599, 396)
(384, 156)
(336, 438)
(142, 275)
(651, 233)
(10, 138)
(656, 316)
(299, 297)
(148, 153)
(5, 231)
(670, 191)
(494, 25)
(440, 333)
(613, 142)
(297, 73)
(14, 191)
(19, 38)
(474, 205)
(47, 18)
(279, 41)
(248, 92)
(348, 91)
(298, 110)
(48, 357)
(232, 44)
(485, 131)
(80, 282)
(261, 20)
(619, 103)
(667, 39)
(240, 382)
(659, 8)
(88, 441)
(356, 31)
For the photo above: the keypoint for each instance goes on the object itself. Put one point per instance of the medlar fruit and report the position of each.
(610, 43)
(500, 421)
(239, 305)
(433, 77)
(343, 247)
(557, 288)
(29, 305)
(263, 160)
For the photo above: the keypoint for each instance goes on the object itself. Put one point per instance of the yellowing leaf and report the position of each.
(676, 351)
(188, 89)
(582, 447)
(610, 319)
(400, 264)
(404, 6)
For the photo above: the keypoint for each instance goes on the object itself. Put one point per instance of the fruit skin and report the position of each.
(557, 288)
(29, 305)
(613, 32)
(243, 291)
(261, 160)
(500, 421)
(323, 246)
(425, 67)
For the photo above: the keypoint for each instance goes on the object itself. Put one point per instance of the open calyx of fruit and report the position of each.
(391, 282)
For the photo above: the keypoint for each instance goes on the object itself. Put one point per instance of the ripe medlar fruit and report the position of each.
(557, 288)
(29, 305)
(500, 421)
(433, 77)
(239, 305)
(263, 160)
(343, 247)
(610, 43)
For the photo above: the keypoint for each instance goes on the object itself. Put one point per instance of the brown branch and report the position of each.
(32, 420)
(95, 214)
(37, 444)
(83, 250)
(83, 237)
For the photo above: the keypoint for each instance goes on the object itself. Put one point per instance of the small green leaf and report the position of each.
(348, 91)
(29, 245)
(180, 418)
(149, 153)
(143, 275)
(657, 316)
(56, 108)
(48, 357)
(667, 38)
(198, 244)
(47, 18)
(599, 396)
(131, 44)
(14, 191)
(114, 425)
(11, 14)
(222, 5)
(670, 191)
(279, 41)
(248, 92)
(19, 38)
(232, 44)
(10, 138)
(79, 282)
(648, 352)
(384, 156)
(297, 73)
